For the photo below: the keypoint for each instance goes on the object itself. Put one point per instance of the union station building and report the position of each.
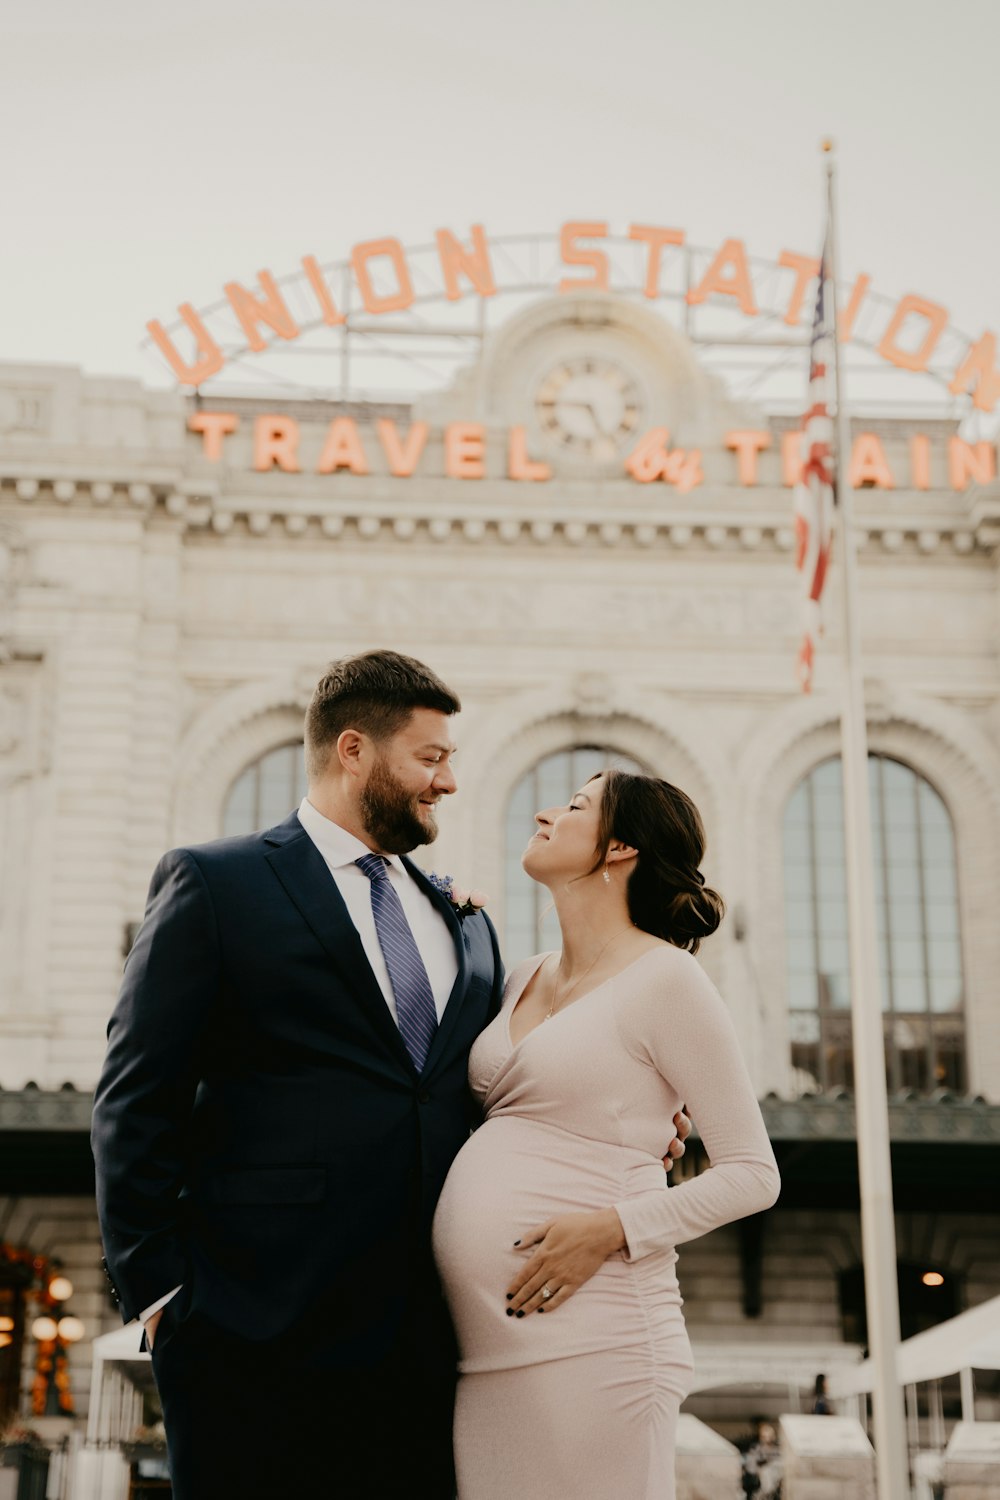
(585, 527)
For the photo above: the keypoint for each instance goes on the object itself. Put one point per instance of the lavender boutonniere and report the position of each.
(464, 903)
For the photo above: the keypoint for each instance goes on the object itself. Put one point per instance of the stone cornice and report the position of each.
(938, 1118)
(811, 1118)
(506, 513)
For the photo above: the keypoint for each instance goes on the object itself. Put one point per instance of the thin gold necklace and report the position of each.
(553, 1007)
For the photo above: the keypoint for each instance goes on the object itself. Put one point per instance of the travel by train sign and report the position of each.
(382, 280)
(465, 451)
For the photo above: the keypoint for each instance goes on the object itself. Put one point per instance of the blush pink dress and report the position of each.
(581, 1403)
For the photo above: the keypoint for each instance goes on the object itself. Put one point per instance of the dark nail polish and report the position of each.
(510, 1296)
(516, 1243)
(510, 1312)
(539, 1309)
(520, 1312)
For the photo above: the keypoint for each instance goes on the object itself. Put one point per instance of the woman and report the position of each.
(557, 1204)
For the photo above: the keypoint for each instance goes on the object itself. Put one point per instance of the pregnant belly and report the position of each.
(511, 1177)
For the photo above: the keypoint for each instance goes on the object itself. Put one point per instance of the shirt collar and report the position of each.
(337, 846)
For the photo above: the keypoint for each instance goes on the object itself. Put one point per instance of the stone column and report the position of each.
(826, 1458)
(972, 1462)
(708, 1468)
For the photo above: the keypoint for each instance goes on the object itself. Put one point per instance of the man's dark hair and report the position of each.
(374, 693)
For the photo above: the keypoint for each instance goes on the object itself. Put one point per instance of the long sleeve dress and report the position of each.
(581, 1404)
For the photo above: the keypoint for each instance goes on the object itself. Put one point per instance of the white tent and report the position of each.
(970, 1341)
(120, 1376)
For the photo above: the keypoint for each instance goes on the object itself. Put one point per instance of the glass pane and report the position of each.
(946, 992)
(906, 919)
(801, 955)
(945, 955)
(938, 846)
(909, 992)
(239, 809)
(266, 792)
(833, 954)
(901, 844)
(907, 955)
(835, 990)
(803, 995)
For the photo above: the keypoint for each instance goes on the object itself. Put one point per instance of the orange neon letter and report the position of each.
(847, 319)
(464, 446)
(747, 443)
(979, 365)
(395, 301)
(252, 311)
(791, 457)
(519, 465)
(212, 358)
(327, 306)
(214, 426)
(732, 256)
(342, 448)
(970, 461)
(937, 321)
(402, 456)
(572, 255)
(805, 268)
(456, 261)
(275, 441)
(920, 461)
(656, 239)
(868, 464)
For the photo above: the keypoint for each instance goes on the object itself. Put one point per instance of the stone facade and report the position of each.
(164, 616)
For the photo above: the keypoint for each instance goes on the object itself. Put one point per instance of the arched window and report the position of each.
(917, 914)
(531, 925)
(928, 1296)
(266, 792)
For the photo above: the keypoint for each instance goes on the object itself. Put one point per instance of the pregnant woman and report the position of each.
(557, 1205)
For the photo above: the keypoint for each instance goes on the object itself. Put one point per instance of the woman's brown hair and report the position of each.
(666, 892)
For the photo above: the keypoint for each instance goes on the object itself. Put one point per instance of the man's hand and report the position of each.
(677, 1147)
(567, 1252)
(151, 1324)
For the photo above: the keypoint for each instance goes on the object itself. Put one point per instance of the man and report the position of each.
(283, 1094)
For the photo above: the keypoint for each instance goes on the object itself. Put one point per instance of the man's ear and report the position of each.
(351, 748)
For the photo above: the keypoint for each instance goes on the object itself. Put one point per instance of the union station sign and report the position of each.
(381, 282)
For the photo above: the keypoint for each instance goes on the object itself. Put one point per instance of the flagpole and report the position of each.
(878, 1234)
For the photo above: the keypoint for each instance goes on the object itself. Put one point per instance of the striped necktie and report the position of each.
(411, 988)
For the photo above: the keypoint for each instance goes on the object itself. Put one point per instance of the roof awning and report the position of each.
(970, 1341)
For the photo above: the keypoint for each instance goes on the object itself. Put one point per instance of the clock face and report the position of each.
(590, 406)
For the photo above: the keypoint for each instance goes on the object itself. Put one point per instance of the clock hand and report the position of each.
(585, 406)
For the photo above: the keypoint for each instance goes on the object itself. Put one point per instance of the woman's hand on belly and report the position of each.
(562, 1255)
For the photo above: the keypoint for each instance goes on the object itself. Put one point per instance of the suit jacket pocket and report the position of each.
(266, 1185)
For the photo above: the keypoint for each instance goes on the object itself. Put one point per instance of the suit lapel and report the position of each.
(458, 989)
(304, 874)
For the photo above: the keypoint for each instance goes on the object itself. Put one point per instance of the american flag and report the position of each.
(814, 493)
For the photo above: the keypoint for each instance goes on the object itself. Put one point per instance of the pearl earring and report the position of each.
(607, 877)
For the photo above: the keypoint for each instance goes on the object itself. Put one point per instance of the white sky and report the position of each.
(151, 152)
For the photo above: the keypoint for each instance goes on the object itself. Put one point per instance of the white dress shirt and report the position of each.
(433, 936)
(340, 850)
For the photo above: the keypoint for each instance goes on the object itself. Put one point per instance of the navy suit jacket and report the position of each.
(260, 1132)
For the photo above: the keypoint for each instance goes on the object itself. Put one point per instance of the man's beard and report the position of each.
(388, 814)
